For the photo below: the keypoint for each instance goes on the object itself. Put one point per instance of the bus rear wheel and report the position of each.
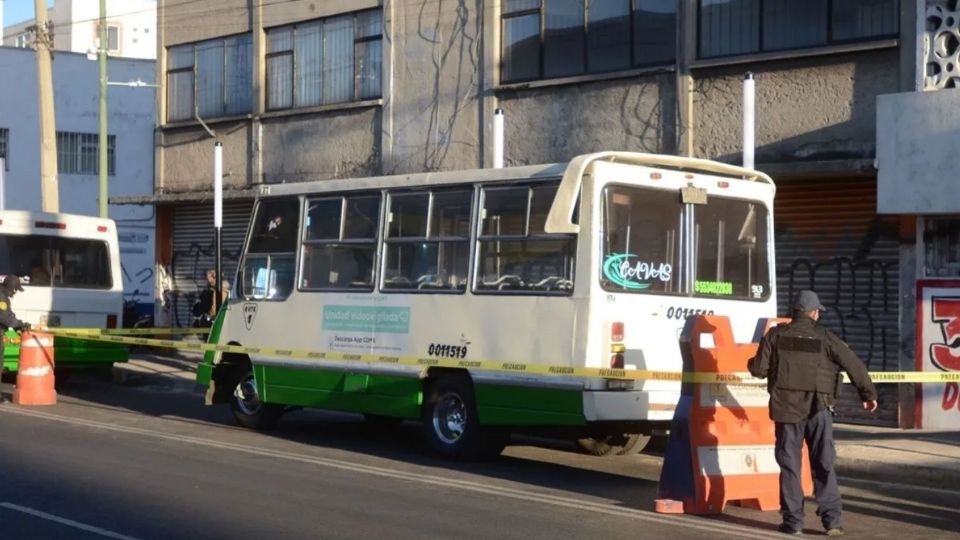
(248, 409)
(451, 425)
(611, 445)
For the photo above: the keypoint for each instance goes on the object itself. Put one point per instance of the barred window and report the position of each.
(214, 77)
(734, 27)
(79, 153)
(427, 248)
(545, 39)
(332, 60)
(340, 242)
(4, 145)
(515, 253)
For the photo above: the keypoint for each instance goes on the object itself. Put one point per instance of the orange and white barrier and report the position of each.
(35, 378)
(721, 448)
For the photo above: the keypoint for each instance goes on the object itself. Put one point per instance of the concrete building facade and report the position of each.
(131, 28)
(130, 151)
(314, 90)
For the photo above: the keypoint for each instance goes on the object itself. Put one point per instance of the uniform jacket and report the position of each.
(802, 363)
(7, 318)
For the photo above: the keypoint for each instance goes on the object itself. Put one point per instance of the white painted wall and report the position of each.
(917, 137)
(75, 26)
(76, 101)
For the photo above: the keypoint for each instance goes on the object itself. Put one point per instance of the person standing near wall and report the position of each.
(802, 362)
(205, 310)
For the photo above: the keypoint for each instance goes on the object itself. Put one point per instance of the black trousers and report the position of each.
(817, 431)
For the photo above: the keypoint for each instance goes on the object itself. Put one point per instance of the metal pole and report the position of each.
(218, 219)
(498, 139)
(749, 142)
(102, 144)
(49, 188)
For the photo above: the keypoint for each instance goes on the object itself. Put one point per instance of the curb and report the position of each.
(125, 376)
(897, 473)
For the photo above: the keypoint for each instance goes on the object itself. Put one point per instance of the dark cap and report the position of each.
(807, 301)
(12, 283)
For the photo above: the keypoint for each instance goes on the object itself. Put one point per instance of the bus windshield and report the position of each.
(646, 231)
(53, 261)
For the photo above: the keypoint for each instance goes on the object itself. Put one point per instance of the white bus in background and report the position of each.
(69, 266)
(592, 263)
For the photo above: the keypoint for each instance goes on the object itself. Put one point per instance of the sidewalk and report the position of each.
(919, 457)
(176, 373)
(925, 458)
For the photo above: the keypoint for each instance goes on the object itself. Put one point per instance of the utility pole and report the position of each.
(49, 188)
(102, 144)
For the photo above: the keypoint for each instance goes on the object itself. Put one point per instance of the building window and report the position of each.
(735, 27)
(4, 146)
(544, 39)
(941, 247)
(78, 153)
(333, 60)
(113, 37)
(212, 77)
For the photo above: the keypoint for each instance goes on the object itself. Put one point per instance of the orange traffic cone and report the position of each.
(35, 378)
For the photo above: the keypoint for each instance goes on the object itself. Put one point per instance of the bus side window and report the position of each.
(515, 253)
(340, 242)
(427, 248)
(268, 266)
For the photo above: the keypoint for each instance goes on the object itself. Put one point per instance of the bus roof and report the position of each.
(554, 170)
(27, 218)
(546, 171)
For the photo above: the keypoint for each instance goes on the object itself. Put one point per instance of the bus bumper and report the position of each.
(629, 405)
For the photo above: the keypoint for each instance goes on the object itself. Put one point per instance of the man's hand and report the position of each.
(870, 406)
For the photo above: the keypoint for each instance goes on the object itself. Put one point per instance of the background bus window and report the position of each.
(51, 261)
(731, 249)
(515, 255)
(340, 242)
(428, 241)
(641, 241)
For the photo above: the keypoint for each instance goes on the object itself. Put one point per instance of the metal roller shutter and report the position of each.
(194, 251)
(830, 239)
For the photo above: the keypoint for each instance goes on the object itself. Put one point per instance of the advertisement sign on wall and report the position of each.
(938, 350)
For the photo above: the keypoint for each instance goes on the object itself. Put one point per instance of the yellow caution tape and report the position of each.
(510, 367)
(132, 331)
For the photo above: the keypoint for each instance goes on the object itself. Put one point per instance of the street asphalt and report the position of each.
(114, 461)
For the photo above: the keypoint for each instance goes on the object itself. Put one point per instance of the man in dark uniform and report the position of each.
(802, 362)
(10, 286)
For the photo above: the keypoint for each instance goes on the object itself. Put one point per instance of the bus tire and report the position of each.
(248, 410)
(612, 445)
(451, 425)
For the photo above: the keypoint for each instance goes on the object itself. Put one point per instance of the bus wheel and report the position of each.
(247, 408)
(451, 425)
(612, 445)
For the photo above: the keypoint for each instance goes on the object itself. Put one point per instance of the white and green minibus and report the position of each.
(593, 263)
